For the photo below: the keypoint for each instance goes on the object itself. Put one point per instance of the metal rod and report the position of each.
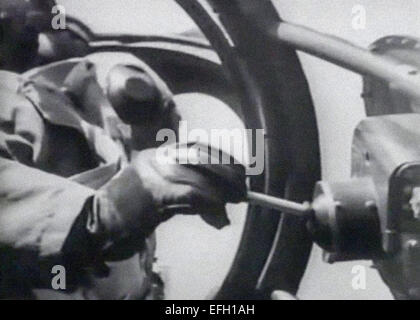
(285, 206)
(404, 78)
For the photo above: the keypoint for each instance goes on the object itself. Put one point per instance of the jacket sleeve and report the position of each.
(37, 209)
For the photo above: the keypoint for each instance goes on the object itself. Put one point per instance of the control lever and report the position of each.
(285, 206)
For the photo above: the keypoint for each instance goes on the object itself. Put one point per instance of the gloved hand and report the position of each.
(150, 192)
(191, 188)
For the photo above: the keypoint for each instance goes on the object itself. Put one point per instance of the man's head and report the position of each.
(21, 21)
(134, 95)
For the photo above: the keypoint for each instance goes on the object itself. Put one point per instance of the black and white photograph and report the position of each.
(227, 151)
